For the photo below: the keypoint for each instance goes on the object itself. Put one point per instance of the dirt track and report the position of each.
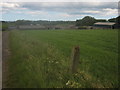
(5, 56)
(0, 59)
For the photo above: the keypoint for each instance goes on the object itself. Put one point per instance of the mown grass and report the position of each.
(42, 58)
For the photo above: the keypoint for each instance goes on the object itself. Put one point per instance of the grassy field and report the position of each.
(42, 58)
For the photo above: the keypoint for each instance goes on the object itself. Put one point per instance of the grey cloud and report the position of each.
(72, 8)
(119, 8)
(69, 5)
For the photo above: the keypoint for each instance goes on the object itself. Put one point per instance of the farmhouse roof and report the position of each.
(104, 23)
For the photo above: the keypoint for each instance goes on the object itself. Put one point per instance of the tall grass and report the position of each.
(42, 58)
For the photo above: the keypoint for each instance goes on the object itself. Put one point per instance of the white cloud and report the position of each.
(109, 11)
(92, 12)
(36, 13)
(64, 15)
(60, 0)
(9, 5)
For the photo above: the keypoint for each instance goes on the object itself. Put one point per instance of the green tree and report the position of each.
(118, 20)
(86, 21)
(112, 20)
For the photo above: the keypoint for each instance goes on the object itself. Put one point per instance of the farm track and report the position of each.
(0, 59)
(5, 56)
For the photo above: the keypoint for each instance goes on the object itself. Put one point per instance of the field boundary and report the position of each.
(5, 57)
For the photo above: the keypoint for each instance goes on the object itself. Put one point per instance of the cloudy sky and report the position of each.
(12, 11)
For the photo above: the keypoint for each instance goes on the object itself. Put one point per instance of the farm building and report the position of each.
(104, 25)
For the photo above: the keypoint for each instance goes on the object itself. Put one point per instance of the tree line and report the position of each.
(89, 21)
(86, 21)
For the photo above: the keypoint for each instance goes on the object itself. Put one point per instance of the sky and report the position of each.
(53, 11)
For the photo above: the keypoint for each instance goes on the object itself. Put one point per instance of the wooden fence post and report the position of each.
(75, 59)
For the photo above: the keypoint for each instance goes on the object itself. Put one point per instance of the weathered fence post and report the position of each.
(75, 59)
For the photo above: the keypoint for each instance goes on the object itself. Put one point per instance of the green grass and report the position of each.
(42, 58)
